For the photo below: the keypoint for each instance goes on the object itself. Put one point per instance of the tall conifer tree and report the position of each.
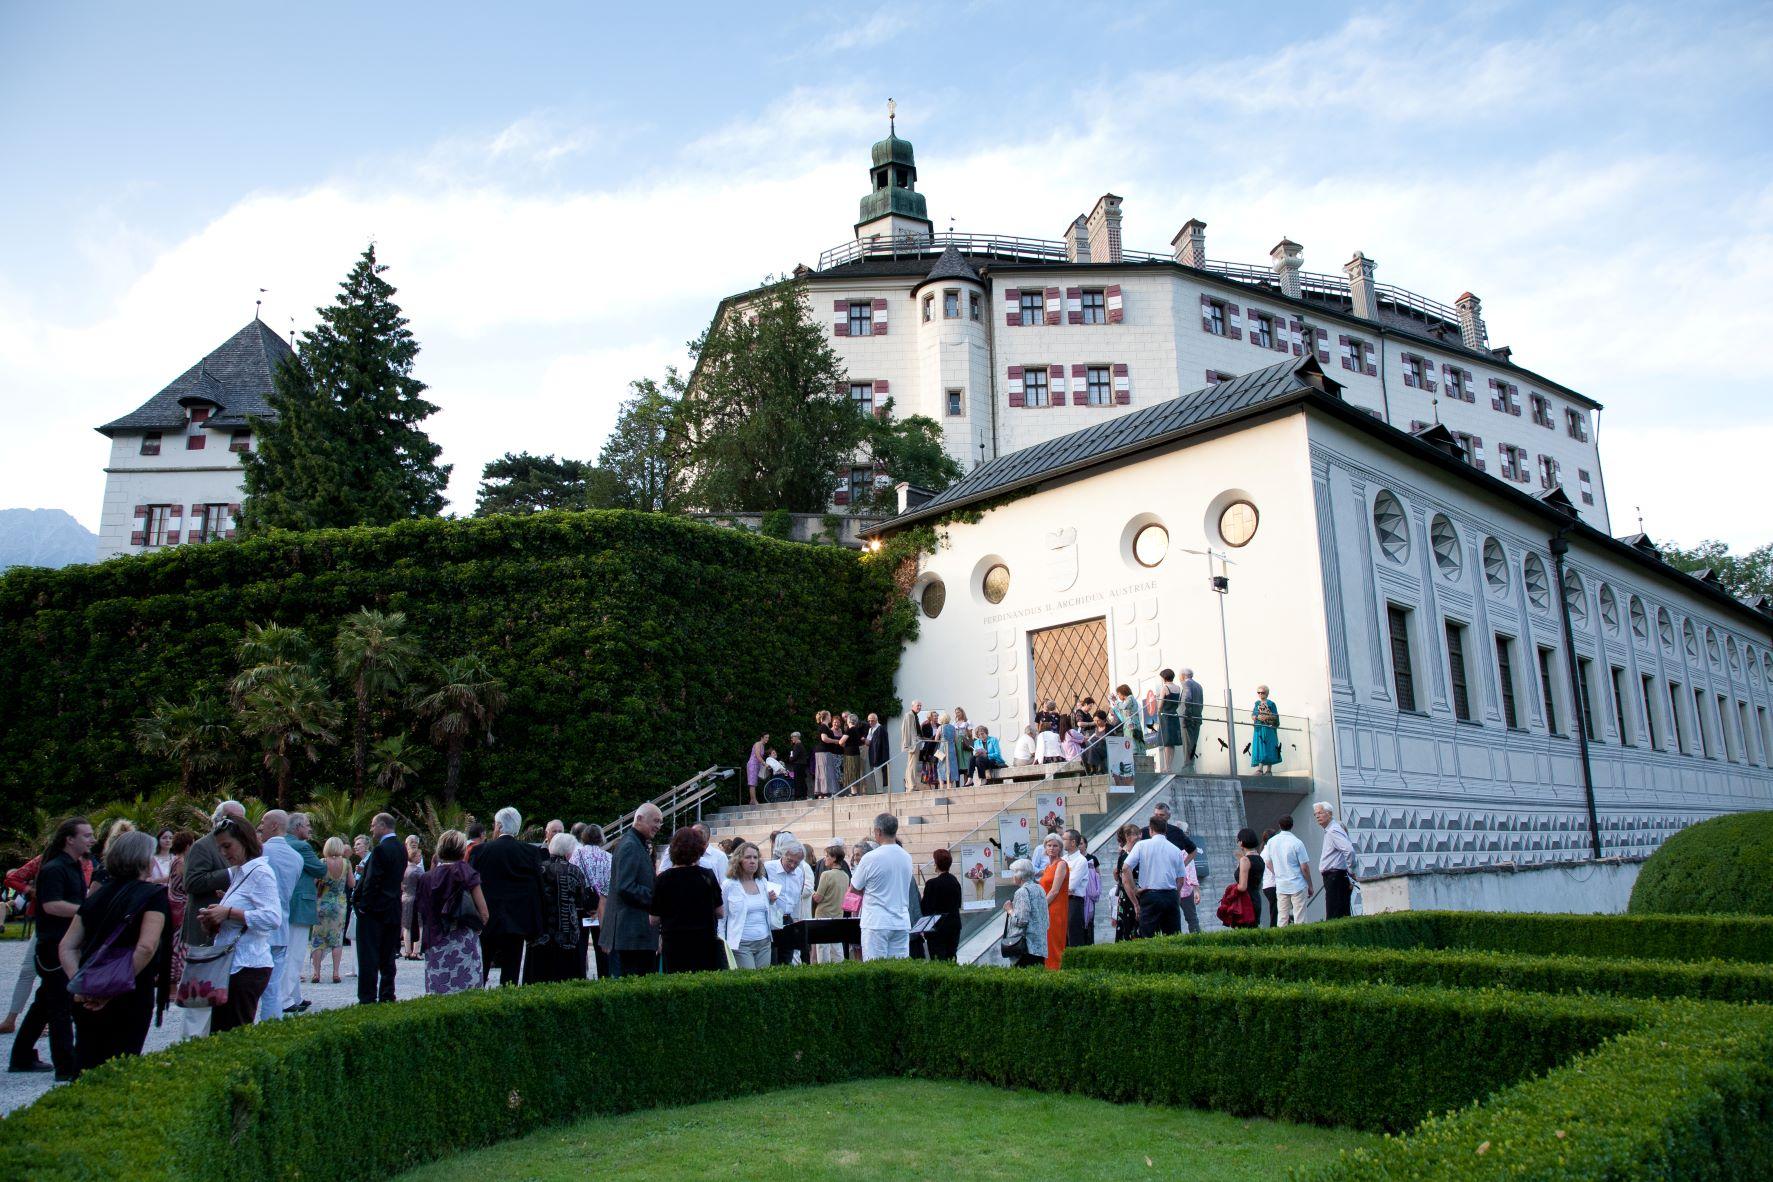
(346, 447)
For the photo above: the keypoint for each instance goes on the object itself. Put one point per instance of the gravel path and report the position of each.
(17, 1090)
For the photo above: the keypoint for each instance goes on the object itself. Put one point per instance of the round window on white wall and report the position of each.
(997, 583)
(933, 598)
(1237, 524)
(1150, 545)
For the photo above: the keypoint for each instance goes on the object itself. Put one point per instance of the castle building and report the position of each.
(1011, 341)
(174, 473)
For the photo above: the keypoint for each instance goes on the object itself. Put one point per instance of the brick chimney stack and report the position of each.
(1077, 240)
(1359, 270)
(1104, 227)
(1190, 244)
(1471, 322)
(1288, 261)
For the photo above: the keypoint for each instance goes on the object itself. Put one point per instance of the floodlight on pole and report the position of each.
(1220, 582)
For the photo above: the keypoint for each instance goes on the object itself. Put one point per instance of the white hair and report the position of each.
(1022, 868)
(1325, 805)
(789, 846)
(563, 845)
(1188, 673)
(509, 820)
(227, 809)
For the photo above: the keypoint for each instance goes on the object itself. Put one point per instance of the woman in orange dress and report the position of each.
(1055, 880)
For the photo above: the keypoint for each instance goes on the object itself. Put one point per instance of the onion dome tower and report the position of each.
(893, 206)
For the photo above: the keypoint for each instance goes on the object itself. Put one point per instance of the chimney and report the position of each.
(1471, 322)
(1190, 244)
(1287, 263)
(1104, 225)
(1359, 270)
(1077, 240)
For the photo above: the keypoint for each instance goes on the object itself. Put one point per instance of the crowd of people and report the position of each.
(850, 753)
(227, 925)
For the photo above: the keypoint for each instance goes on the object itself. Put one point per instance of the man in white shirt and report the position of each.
(1047, 747)
(1286, 855)
(883, 879)
(1153, 878)
(286, 863)
(1335, 863)
(1077, 867)
(790, 874)
(1023, 753)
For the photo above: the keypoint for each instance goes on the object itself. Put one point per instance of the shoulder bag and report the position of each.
(1012, 950)
(464, 914)
(208, 970)
(110, 970)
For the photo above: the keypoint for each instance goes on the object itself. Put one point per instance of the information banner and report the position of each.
(978, 866)
(1049, 807)
(1120, 763)
(1012, 835)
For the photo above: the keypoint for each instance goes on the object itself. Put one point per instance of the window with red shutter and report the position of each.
(1212, 316)
(196, 442)
(1074, 305)
(1296, 336)
(1412, 371)
(1123, 385)
(1369, 363)
(1080, 385)
(1323, 346)
(1018, 397)
(840, 318)
(1234, 322)
(1116, 304)
(1055, 306)
(1346, 345)
(1056, 378)
(1012, 307)
(880, 317)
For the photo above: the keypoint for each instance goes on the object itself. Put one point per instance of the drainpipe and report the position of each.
(1560, 546)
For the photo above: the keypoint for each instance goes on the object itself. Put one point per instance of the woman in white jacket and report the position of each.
(752, 911)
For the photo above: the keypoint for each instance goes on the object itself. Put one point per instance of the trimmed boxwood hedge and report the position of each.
(636, 647)
(1717, 867)
(1712, 980)
(1674, 1089)
(1649, 937)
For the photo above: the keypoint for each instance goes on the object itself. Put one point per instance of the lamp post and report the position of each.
(1220, 582)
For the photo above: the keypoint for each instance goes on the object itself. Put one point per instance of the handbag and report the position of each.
(207, 970)
(1236, 910)
(110, 970)
(852, 901)
(464, 914)
(1012, 950)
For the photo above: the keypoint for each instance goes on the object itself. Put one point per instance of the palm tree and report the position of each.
(343, 814)
(267, 647)
(432, 822)
(376, 654)
(466, 701)
(196, 734)
(287, 709)
(393, 761)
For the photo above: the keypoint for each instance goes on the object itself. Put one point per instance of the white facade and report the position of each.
(174, 473)
(1448, 782)
(1163, 325)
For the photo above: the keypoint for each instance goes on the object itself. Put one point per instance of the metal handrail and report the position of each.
(830, 801)
(693, 792)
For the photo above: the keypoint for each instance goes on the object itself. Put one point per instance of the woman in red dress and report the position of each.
(1055, 880)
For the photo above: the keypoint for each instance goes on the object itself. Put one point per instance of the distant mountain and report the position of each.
(44, 537)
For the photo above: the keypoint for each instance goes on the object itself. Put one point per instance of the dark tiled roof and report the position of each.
(235, 376)
(952, 266)
(1128, 433)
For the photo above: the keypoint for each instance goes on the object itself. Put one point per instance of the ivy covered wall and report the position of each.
(636, 648)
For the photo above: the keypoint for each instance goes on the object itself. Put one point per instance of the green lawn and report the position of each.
(903, 1128)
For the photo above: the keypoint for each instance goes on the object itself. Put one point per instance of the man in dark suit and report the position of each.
(629, 931)
(378, 912)
(879, 755)
(511, 879)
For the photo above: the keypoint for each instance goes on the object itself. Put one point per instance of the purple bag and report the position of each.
(110, 970)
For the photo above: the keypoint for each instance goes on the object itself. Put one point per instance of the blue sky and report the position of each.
(564, 191)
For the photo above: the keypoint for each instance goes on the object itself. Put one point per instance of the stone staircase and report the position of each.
(928, 821)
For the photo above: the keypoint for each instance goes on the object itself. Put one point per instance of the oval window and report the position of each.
(1150, 545)
(1495, 565)
(1537, 585)
(997, 583)
(934, 598)
(1445, 541)
(1393, 530)
(1237, 525)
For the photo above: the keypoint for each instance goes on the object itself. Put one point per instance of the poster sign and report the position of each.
(1012, 836)
(977, 862)
(1120, 763)
(1049, 807)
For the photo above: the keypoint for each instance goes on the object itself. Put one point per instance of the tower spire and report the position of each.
(892, 117)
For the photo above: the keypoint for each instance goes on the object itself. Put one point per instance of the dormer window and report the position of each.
(199, 414)
(151, 443)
